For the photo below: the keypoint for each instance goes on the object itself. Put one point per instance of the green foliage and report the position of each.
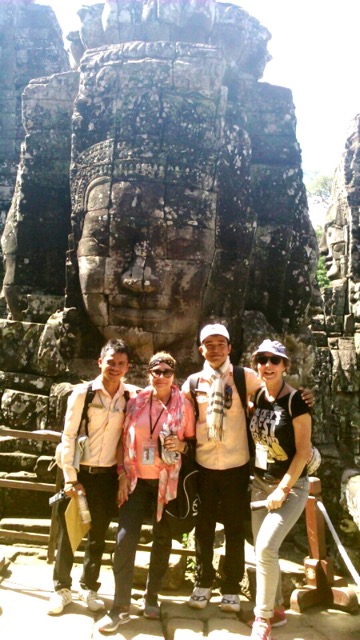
(318, 188)
(323, 280)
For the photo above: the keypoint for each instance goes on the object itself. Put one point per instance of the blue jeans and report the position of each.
(140, 504)
(269, 530)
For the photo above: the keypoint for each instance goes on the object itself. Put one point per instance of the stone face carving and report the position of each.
(149, 223)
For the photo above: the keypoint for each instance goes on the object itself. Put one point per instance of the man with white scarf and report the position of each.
(222, 453)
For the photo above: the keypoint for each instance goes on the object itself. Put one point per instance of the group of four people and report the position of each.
(127, 466)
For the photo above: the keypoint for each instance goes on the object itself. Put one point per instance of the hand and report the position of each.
(172, 443)
(275, 499)
(123, 490)
(308, 396)
(73, 490)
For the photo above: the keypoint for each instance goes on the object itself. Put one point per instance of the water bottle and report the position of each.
(169, 457)
(83, 508)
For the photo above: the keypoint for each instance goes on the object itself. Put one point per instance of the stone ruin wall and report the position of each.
(248, 229)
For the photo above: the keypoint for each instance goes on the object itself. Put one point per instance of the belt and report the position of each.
(266, 477)
(95, 470)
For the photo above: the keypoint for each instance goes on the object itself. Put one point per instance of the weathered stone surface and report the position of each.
(27, 411)
(31, 47)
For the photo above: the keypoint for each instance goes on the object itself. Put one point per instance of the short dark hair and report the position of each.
(117, 345)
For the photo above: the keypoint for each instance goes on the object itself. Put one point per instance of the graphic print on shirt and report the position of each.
(263, 426)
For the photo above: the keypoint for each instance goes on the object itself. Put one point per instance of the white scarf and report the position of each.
(216, 411)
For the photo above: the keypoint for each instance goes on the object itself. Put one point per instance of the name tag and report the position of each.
(261, 456)
(148, 452)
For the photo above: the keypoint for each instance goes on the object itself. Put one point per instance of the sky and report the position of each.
(315, 49)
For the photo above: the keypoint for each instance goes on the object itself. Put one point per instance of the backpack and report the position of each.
(180, 514)
(240, 384)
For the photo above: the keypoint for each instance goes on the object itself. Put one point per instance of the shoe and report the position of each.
(199, 597)
(91, 598)
(151, 611)
(261, 630)
(278, 620)
(111, 622)
(59, 600)
(230, 602)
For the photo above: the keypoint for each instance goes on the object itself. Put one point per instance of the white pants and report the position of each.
(269, 530)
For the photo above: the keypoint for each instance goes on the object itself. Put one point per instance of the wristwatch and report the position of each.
(286, 490)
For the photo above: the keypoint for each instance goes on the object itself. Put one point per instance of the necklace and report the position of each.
(272, 402)
(152, 428)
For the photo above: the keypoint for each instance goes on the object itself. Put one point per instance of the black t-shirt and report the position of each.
(271, 425)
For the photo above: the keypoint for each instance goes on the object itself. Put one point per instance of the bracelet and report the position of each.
(186, 449)
(120, 475)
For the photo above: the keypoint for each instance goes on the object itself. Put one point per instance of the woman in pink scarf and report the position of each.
(158, 422)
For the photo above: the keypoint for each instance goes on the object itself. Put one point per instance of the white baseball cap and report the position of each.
(213, 330)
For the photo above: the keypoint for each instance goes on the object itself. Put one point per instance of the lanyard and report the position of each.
(152, 428)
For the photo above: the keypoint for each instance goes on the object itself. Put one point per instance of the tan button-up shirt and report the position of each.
(106, 419)
(233, 450)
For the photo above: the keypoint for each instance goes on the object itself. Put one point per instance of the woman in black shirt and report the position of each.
(281, 429)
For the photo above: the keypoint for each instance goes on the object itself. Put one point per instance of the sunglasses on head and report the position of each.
(167, 373)
(265, 359)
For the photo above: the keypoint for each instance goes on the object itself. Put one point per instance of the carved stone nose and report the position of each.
(139, 278)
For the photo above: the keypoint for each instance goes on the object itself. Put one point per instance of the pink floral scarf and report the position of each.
(168, 478)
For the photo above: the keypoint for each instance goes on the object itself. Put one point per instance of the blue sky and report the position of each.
(315, 49)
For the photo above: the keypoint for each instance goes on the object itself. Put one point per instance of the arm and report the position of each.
(302, 432)
(71, 425)
(123, 486)
(173, 442)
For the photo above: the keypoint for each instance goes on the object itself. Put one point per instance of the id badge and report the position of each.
(261, 456)
(148, 452)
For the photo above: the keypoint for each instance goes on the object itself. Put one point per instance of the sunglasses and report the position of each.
(167, 373)
(228, 397)
(265, 359)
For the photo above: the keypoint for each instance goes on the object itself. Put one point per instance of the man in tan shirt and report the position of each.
(222, 453)
(97, 477)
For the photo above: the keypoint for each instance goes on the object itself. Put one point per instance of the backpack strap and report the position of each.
(240, 383)
(193, 383)
(290, 401)
(90, 394)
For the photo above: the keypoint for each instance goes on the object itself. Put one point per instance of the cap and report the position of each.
(272, 346)
(214, 330)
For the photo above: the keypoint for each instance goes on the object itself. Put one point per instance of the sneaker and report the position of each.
(59, 600)
(278, 620)
(91, 598)
(111, 623)
(199, 597)
(261, 630)
(230, 602)
(279, 617)
(151, 611)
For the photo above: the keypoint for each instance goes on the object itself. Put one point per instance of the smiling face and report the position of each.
(113, 366)
(271, 371)
(215, 349)
(161, 383)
